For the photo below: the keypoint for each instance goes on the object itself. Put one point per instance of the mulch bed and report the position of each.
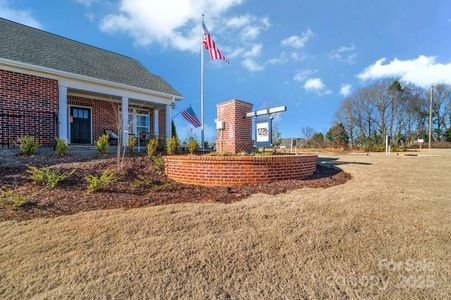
(71, 196)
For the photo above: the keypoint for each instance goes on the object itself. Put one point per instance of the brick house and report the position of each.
(53, 86)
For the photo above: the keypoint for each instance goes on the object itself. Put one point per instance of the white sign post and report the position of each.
(420, 141)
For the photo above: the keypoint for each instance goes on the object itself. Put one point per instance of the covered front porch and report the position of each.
(86, 112)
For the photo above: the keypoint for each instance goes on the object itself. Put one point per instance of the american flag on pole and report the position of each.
(191, 117)
(210, 45)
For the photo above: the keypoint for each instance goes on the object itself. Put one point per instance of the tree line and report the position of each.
(388, 107)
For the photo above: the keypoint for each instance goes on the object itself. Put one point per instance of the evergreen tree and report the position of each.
(337, 136)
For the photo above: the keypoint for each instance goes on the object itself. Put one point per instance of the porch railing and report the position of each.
(16, 123)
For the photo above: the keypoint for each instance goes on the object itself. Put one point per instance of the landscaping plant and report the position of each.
(28, 145)
(102, 144)
(132, 141)
(97, 182)
(51, 178)
(192, 145)
(152, 147)
(173, 145)
(158, 163)
(11, 199)
(61, 148)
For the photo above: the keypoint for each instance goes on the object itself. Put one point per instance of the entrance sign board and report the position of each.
(263, 132)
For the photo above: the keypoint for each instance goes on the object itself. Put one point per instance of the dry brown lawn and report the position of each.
(310, 243)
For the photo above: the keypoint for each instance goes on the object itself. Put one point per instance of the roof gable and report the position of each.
(33, 46)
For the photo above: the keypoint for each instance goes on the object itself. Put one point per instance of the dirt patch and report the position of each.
(138, 184)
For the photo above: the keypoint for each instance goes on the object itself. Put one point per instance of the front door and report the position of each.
(80, 125)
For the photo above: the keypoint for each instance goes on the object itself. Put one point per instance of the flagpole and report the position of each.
(202, 86)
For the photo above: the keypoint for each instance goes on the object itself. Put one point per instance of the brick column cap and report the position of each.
(233, 100)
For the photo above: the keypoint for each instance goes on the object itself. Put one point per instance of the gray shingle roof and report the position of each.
(33, 46)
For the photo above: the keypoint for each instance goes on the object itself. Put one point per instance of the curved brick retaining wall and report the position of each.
(238, 170)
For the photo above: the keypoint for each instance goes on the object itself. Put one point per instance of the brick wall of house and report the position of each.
(162, 124)
(237, 135)
(104, 113)
(28, 106)
(238, 170)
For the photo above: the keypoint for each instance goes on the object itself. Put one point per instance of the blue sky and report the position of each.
(307, 55)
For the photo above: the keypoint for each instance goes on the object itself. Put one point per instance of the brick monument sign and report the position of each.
(236, 135)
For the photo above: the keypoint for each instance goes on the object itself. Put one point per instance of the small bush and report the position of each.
(28, 145)
(264, 153)
(192, 145)
(173, 145)
(61, 148)
(132, 142)
(242, 153)
(102, 144)
(97, 182)
(144, 183)
(51, 178)
(11, 199)
(158, 163)
(152, 147)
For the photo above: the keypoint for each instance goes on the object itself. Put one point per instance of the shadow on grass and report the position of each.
(333, 161)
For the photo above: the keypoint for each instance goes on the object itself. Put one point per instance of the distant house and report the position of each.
(53, 86)
(286, 142)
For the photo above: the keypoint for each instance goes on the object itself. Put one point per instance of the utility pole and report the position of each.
(430, 116)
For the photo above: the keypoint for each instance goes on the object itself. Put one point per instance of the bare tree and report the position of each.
(441, 108)
(307, 133)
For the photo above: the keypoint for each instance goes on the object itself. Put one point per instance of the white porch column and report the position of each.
(168, 122)
(155, 123)
(62, 113)
(124, 109)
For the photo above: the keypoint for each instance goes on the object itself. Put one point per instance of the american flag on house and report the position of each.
(191, 117)
(210, 45)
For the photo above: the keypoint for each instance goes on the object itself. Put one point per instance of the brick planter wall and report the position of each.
(238, 170)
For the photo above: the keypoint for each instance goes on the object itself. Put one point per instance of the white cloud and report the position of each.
(173, 23)
(285, 57)
(316, 85)
(251, 65)
(238, 22)
(86, 2)
(345, 89)
(18, 15)
(422, 71)
(297, 41)
(255, 51)
(344, 54)
(301, 75)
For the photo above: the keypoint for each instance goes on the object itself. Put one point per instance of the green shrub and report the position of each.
(192, 145)
(61, 148)
(132, 142)
(28, 145)
(144, 183)
(173, 145)
(97, 182)
(158, 163)
(102, 144)
(51, 178)
(152, 147)
(11, 199)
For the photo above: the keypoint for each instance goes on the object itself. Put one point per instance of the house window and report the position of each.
(138, 121)
(142, 123)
